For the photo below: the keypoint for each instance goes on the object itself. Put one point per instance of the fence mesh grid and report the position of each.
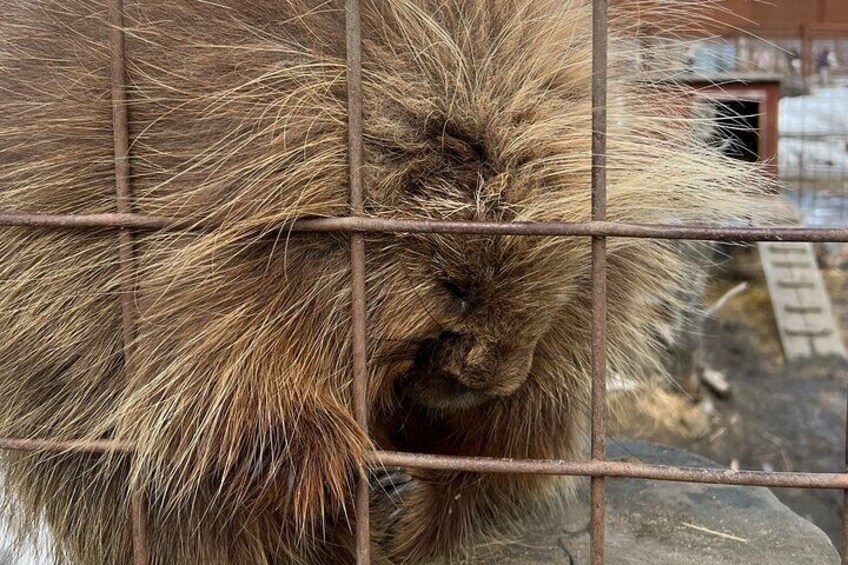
(357, 225)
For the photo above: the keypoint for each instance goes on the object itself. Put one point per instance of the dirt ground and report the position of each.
(779, 417)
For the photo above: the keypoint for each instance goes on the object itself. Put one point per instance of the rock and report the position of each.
(656, 523)
(664, 523)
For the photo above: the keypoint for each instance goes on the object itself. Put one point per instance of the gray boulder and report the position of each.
(664, 523)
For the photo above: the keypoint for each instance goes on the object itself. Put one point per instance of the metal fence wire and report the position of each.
(357, 225)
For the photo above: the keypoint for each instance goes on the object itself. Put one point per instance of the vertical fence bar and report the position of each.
(845, 499)
(141, 552)
(121, 142)
(353, 34)
(599, 276)
(125, 243)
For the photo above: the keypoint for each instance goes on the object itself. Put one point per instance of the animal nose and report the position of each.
(490, 365)
(511, 369)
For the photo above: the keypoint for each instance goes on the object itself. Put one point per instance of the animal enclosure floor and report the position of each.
(780, 417)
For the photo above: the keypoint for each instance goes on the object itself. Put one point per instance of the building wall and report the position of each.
(793, 11)
(782, 16)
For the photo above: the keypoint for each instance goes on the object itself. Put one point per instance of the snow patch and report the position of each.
(814, 134)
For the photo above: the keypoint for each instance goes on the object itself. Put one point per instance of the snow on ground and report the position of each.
(814, 134)
(820, 209)
(824, 111)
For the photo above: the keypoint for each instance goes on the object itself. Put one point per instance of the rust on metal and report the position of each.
(138, 517)
(122, 174)
(614, 469)
(599, 277)
(353, 36)
(93, 446)
(90, 221)
(389, 225)
(121, 139)
(845, 500)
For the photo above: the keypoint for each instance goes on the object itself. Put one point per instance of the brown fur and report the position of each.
(238, 398)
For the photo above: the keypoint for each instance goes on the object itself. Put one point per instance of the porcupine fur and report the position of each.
(238, 395)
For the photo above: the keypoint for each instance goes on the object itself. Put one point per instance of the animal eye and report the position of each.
(456, 291)
(415, 186)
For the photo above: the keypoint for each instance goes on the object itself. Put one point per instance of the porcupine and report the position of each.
(237, 399)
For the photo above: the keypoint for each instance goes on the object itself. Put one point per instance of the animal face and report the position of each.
(486, 327)
(483, 303)
(475, 133)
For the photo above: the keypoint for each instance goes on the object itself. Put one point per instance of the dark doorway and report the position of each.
(737, 130)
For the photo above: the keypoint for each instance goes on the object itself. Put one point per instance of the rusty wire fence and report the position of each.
(598, 468)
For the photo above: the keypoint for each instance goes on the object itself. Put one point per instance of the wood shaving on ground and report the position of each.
(714, 533)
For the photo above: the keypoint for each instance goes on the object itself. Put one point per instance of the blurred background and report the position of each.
(760, 380)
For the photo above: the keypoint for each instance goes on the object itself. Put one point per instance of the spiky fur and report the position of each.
(238, 394)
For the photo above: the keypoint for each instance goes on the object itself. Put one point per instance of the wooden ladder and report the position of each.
(800, 301)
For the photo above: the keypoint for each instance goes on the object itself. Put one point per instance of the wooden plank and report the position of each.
(800, 301)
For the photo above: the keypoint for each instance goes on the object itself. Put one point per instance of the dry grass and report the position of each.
(656, 411)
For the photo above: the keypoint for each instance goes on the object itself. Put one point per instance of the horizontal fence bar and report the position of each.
(388, 225)
(94, 446)
(615, 469)
(111, 220)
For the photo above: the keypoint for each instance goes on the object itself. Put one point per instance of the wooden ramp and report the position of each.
(800, 301)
